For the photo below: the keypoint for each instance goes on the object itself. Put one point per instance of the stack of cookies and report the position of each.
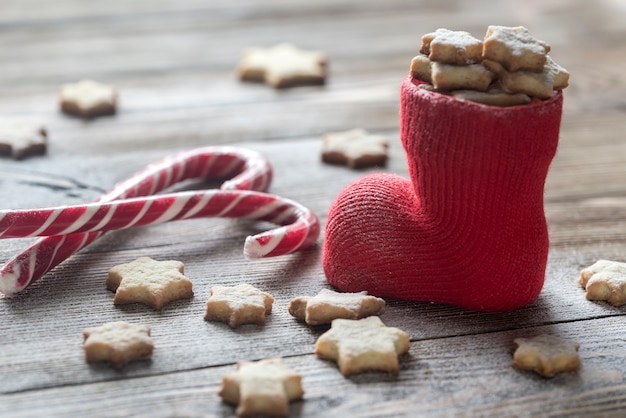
(509, 67)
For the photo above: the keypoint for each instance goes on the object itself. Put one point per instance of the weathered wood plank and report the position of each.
(468, 375)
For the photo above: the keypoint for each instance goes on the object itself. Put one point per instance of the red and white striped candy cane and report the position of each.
(300, 225)
(69, 229)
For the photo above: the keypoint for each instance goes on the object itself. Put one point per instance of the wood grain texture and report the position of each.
(173, 62)
(443, 376)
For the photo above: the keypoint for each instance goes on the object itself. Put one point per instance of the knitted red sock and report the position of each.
(469, 227)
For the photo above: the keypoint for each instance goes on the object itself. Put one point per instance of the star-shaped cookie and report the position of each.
(117, 342)
(21, 138)
(154, 283)
(515, 48)
(238, 305)
(546, 355)
(328, 305)
(355, 148)
(605, 280)
(262, 388)
(88, 99)
(283, 65)
(362, 345)
(452, 47)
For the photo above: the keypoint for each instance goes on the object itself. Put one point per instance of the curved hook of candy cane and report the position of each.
(300, 226)
(248, 169)
(296, 236)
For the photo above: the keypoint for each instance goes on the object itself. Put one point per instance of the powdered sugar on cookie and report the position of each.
(546, 355)
(515, 48)
(362, 345)
(154, 283)
(451, 47)
(283, 65)
(117, 343)
(238, 305)
(20, 138)
(88, 99)
(605, 280)
(262, 388)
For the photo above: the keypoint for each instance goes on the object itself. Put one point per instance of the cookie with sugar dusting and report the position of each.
(546, 355)
(421, 68)
(451, 47)
(605, 280)
(151, 282)
(447, 77)
(263, 388)
(21, 138)
(88, 99)
(515, 48)
(328, 305)
(238, 305)
(355, 148)
(362, 345)
(117, 343)
(283, 65)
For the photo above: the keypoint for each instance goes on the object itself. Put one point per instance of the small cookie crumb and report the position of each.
(88, 99)
(605, 280)
(546, 355)
(328, 305)
(144, 280)
(362, 345)
(22, 138)
(264, 387)
(117, 343)
(238, 305)
(355, 148)
(283, 65)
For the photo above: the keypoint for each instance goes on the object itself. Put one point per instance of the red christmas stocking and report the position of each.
(468, 228)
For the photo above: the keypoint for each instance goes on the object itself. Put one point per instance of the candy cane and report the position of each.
(300, 231)
(71, 228)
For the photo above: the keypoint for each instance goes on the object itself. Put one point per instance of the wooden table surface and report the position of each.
(173, 62)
